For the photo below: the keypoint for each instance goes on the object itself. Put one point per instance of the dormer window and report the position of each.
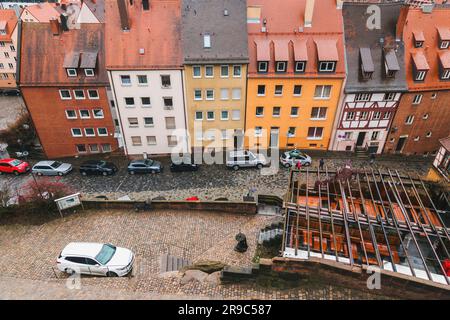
(391, 64)
(327, 66)
(444, 37)
(72, 72)
(367, 66)
(300, 66)
(2, 32)
(420, 66)
(419, 38)
(281, 66)
(89, 72)
(444, 65)
(263, 66)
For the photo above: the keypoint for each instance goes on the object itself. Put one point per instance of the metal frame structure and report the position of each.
(369, 218)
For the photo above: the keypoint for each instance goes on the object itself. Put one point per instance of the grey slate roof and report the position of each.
(358, 36)
(228, 32)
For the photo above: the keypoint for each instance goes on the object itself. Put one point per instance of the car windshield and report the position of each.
(15, 162)
(297, 154)
(56, 164)
(105, 254)
(101, 163)
(149, 162)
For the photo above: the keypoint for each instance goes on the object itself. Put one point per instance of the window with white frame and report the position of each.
(76, 132)
(350, 116)
(145, 102)
(420, 75)
(168, 103)
(198, 115)
(319, 113)
(258, 131)
(84, 114)
(236, 93)
(445, 74)
(444, 44)
(165, 81)
(71, 72)
(300, 66)
(148, 122)
(102, 132)
(79, 94)
(417, 99)
(206, 41)
(172, 141)
(129, 102)
(133, 122)
(389, 96)
(151, 140)
(89, 72)
(209, 94)
(237, 71)
(261, 90)
(197, 94)
(93, 94)
(263, 66)
(297, 90)
(278, 90)
(71, 114)
(387, 115)
(294, 111)
(376, 115)
(224, 71)
(260, 111)
(65, 94)
(276, 112)
(136, 141)
(81, 148)
(409, 119)
(291, 132)
(170, 123)
(224, 94)
(327, 66)
(125, 80)
(281, 66)
(89, 132)
(197, 71)
(322, 92)
(224, 115)
(210, 115)
(106, 147)
(93, 148)
(362, 97)
(348, 135)
(209, 71)
(363, 115)
(375, 135)
(236, 115)
(142, 80)
(315, 133)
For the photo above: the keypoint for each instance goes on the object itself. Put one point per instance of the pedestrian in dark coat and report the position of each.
(321, 164)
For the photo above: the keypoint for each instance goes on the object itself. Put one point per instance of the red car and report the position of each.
(13, 166)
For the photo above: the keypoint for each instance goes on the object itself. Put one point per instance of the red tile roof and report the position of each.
(43, 12)
(9, 19)
(432, 25)
(43, 55)
(285, 24)
(156, 31)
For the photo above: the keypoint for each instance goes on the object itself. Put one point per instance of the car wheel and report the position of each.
(105, 173)
(39, 173)
(307, 164)
(16, 173)
(236, 168)
(287, 165)
(131, 172)
(259, 166)
(153, 171)
(60, 174)
(111, 274)
(70, 271)
(84, 173)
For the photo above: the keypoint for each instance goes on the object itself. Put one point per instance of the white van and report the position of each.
(245, 158)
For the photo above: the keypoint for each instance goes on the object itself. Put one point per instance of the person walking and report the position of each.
(321, 163)
(299, 165)
(372, 158)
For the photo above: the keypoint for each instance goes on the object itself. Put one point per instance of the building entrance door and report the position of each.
(361, 137)
(400, 144)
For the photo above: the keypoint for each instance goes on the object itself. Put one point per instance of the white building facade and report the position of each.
(364, 121)
(151, 111)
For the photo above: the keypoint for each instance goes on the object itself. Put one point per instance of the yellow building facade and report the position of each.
(215, 102)
(291, 112)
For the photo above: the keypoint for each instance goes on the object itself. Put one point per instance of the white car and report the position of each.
(245, 158)
(51, 168)
(95, 259)
(290, 158)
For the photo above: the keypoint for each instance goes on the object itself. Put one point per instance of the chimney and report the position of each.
(309, 12)
(54, 26)
(123, 12)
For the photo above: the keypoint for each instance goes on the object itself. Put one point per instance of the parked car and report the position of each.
(144, 166)
(95, 259)
(51, 168)
(245, 158)
(291, 158)
(98, 167)
(15, 166)
(183, 166)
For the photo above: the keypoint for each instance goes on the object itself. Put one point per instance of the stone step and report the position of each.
(170, 263)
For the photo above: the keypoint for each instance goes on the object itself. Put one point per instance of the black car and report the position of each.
(183, 166)
(98, 167)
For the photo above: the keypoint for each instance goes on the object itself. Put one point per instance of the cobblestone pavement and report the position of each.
(28, 252)
(10, 108)
(210, 182)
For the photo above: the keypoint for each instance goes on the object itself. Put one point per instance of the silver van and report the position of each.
(245, 159)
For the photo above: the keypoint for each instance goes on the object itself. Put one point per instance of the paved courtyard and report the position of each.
(27, 267)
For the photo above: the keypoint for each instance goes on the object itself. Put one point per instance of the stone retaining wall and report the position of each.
(220, 206)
